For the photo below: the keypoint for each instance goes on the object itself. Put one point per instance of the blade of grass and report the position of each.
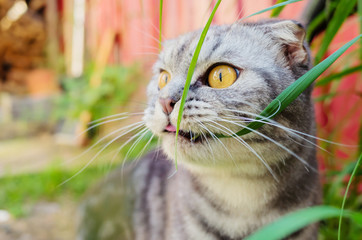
(346, 193)
(359, 10)
(276, 11)
(191, 72)
(295, 89)
(337, 183)
(326, 96)
(160, 26)
(272, 7)
(299, 219)
(341, 74)
(360, 136)
(343, 9)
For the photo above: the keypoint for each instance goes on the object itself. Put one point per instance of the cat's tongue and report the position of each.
(170, 128)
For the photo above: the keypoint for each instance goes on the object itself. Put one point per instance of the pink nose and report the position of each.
(167, 105)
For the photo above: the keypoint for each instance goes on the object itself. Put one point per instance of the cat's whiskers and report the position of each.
(113, 116)
(99, 124)
(146, 53)
(275, 142)
(215, 138)
(288, 131)
(119, 149)
(133, 126)
(190, 132)
(133, 146)
(245, 144)
(146, 34)
(100, 151)
(139, 155)
(208, 143)
(137, 135)
(277, 124)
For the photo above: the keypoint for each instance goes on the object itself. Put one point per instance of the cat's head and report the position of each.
(241, 68)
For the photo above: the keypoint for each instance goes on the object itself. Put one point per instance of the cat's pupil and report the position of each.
(220, 77)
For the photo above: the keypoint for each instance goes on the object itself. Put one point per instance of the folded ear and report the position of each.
(291, 34)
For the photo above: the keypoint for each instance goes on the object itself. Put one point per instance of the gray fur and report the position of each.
(222, 189)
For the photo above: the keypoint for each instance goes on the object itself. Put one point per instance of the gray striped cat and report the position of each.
(225, 188)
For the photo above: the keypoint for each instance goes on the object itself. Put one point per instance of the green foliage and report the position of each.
(343, 9)
(118, 83)
(275, 12)
(280, 5)
(299, 219)
(21, 191)
(339, 75)
(345, 195)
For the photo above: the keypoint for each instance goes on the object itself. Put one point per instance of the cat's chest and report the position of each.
(195, 212)
(185, 207)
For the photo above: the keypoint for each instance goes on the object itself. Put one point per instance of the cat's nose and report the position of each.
(167, 105)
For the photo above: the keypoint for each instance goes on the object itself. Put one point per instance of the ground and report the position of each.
(45, 220)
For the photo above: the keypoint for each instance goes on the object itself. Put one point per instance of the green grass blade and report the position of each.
(343, 9)
(191, 71)
(276, 11)
(360, 136)
(345, 195)
(160, 26)
(295, 89)
(326, 96)
(299, 219)
(314, 24)
(273, 7)
(337, 183)
(341, 74)
(359, 11)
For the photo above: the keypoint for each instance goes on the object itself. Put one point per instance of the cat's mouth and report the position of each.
(189, 135)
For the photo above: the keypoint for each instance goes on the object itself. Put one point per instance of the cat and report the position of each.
(225, 187)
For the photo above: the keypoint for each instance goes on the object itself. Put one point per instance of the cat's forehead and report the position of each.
(239, 43)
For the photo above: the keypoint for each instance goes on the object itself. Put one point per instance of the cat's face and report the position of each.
(240, 70)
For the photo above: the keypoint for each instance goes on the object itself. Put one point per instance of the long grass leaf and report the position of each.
(346, 193)
(343, 9)
(360, 136)
(359, 10)
(299, 219)
(341, 74)
(295, 89)
(273, 7)
(160, 26)
(337, 183)
(191, 72)
(276, 11)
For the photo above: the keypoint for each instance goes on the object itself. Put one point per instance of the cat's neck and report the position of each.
(235, 190)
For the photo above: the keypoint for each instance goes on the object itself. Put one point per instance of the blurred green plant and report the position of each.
(19, 192)
(117, 85)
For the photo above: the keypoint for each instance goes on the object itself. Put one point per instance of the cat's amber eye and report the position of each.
(163, 79)
(222, 76)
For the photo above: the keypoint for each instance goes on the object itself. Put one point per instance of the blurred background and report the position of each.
(67, 63)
